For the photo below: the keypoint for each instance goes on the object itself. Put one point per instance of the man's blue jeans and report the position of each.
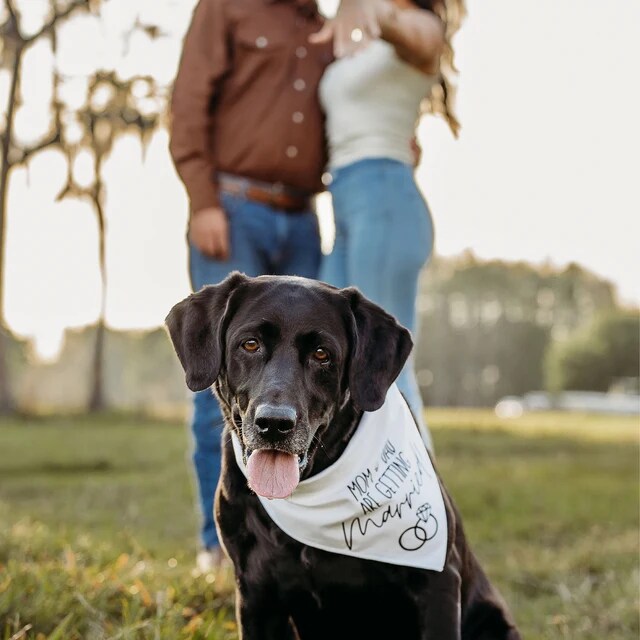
(384, 236)
(263, 241)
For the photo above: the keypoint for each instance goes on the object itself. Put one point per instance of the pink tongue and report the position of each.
(273, 474)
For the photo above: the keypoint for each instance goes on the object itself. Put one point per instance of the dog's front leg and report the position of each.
(260, 616)
(441, 618)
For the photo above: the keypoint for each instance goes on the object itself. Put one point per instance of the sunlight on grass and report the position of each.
(602, 428)
(81, 589)
(98, 525)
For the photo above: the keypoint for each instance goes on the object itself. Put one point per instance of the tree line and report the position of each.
(489, 329)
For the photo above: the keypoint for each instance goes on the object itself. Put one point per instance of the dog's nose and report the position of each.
(275, 422)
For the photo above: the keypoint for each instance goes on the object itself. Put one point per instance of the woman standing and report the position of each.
(373, 100)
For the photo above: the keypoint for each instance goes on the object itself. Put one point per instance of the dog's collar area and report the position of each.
(380, 500)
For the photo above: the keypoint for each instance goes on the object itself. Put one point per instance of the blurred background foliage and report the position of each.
(487, 330)
(492, 328)
(83, 131)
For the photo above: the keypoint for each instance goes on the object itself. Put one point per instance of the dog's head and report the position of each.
(285, 353)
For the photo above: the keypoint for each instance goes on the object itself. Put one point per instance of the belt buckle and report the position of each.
(276, 190)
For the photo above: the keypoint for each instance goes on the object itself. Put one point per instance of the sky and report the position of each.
(545, 169)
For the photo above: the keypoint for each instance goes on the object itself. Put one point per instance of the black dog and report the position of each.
(295, 363)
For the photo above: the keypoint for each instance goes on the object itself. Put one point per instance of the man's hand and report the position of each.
(209, 232)
(354, 26)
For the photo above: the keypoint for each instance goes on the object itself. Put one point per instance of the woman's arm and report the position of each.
(416, 34)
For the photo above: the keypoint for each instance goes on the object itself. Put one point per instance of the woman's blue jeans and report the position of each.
(384, 236)
(263, 241)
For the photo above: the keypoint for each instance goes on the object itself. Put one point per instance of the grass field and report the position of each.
(98, 527)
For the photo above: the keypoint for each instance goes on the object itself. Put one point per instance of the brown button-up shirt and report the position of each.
(245, 100)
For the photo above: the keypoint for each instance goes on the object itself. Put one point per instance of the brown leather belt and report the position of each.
(276, 195)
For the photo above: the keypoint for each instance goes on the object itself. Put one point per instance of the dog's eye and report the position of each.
(321, 355)
(251, 345)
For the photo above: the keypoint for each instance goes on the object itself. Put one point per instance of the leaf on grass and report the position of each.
(121, 562)
(22, 633)
(144, 593)
(193, 625)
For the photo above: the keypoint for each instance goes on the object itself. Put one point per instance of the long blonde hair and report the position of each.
(441, 99)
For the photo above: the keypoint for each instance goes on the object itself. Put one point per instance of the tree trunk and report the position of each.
(6, 399)
(97, 401)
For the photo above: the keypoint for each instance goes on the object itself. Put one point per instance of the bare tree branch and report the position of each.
(11, 28)
(12, 10)
(49, 26)
(19, 156)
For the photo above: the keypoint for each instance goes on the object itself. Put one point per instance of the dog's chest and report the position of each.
(362, 599)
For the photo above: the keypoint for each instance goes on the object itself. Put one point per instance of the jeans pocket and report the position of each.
(231, 202)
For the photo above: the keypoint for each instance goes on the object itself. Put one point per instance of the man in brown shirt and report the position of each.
(247, 140)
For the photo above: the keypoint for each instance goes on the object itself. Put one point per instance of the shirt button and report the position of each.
(261, 42)
(299, 85)
(292, 152)
(301, 52)
(298, 117)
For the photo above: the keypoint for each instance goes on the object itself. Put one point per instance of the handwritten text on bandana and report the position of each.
(381, 500)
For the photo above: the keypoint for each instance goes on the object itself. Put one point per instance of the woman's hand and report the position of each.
(416, 34)
(356, 23)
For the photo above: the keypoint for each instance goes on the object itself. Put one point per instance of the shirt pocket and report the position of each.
(259, 57)
(253, 40)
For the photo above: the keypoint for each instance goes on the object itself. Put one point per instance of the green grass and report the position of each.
(98, 525)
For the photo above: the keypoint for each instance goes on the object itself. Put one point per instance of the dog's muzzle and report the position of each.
(274, 423)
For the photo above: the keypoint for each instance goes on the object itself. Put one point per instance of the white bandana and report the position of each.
(381, 500)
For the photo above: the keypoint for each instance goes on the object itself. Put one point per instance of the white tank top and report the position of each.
(372, 103)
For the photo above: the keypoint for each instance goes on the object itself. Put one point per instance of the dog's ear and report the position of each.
(195, 327)
(380, 348)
